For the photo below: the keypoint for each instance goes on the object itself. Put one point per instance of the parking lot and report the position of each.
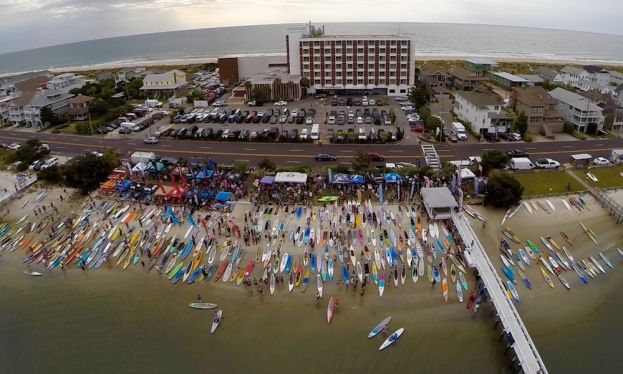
(339, 119)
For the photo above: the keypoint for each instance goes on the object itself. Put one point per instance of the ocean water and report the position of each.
(429, 39)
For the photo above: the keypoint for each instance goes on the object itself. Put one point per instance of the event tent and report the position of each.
(291, 178)
(223, 196)
(392, 177)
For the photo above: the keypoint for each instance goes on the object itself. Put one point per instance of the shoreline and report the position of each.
(418, 57)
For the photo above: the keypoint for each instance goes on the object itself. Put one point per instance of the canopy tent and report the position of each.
(291, 178)
(205, 195)
(467, 174)
(223, 196)
(139, 168)
(205, 173)
(267, 180)
(176, 193)
(392, 177)
(123, 185)
(357, 179)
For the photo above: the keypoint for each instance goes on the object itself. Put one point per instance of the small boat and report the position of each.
(513, 290)
(291, 282)
(32, 273)
(330, 310)
(566, 237)
(564, 281)
(524, 257)
(396, 277)
(380, 327)
(319, 284)
(568, 254)
(463, 281)
(436, 274)
(459, 292)
(382, 284)
(359, 272)
(453, 273)
(217, 321)
(393, 338)
(606, 261)
(403, 275)
(272, 283)
(525, 279)
(202, 305)
(414, 273)
(546, 276)
(444, 289)
(597, 264)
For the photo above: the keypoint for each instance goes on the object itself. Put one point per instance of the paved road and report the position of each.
(284, 153)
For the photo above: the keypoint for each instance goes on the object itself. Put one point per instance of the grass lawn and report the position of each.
(6, 156)
(606, 176)
(544, 183)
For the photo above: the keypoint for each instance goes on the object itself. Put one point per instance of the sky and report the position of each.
(27, 24)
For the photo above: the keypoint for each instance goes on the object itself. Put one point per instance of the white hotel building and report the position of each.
(351, 64)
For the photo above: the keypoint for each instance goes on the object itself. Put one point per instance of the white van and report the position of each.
(521, 163)
(130, 126)
(459, 130)
(49, 163)
(315, 132)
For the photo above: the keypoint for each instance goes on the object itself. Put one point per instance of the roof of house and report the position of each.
(80, 99)
(163, 77)
(32, 83)
(593, 69)
(571, 70)
(616, 74)
(23, 77)
(481, 61)
(547, 73)
(533, 96)
(573, 99)
(43, 97)
(465, 74)
(480, 99)
(533, 78)
(430, 69)
(509, 76)
(438, 197)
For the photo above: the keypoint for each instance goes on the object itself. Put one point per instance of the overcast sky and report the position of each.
(29, 24)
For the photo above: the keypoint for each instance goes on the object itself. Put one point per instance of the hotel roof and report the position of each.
(356, 36)
(269, 76)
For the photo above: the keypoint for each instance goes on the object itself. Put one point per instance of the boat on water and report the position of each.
(380, 327)
(217, 320)
(392, 339)
(32, 273)
(202, 305)
(330, 310)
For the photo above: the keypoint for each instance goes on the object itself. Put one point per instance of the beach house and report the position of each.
(465, 80)
(57, 101)
(483, 110)
(435, 76)
(165, 84)
(588, 78)
(540, 108)
(479, 66)
(506, 80)
(79, 107)
(577, 110)
(15, 93)
(66, 82)
(549, 74)
(274, 84)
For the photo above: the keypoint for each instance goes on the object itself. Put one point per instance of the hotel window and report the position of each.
(381, 81)
(317, 51)
(316, 59)
(404, 58)
(392, 81)
(403, 73)
(393, 42)
(306, 66)
(392, 50)
(349, 42)
(338, 58)
(338, 73)
(392, 73)
(306, 75)
(403, 66)
(304, 44)
(349, 50)
(339, 42)
(349, 81)
(370, 51)
(370, 42)
(382, 66)
(305, 59)
(359, 66)
(381, 73)
(349, 58)
(338, 66)
(371, 73)
(359, 81)
(327, 66)
(392, 66)
(370, 66)
(349, 73)
(338, 51)
(403, 50)
(327, 50)
(349, 66)
(316, 43)
(360, 50)
(382, 51)
(359, 42)
(360, 73)
(327, 58)
(327, 74)
(404, 42)
(316, 74)
(317, 81)
(316, 66)
(392, 58)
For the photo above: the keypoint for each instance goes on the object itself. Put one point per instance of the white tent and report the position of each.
(467, 174)
(290, 178)
(139, 168)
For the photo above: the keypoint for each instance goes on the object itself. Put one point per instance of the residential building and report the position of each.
(65, 82)
(22, 88)
(540, 108)
(57, 101)
(79, 107)
(616, 78)
(613, 118)
(126, 74)
(549, 74)
(351, 64)
(479, 66)
(10, 84)
(533, 79)
(578, 110)
(619, 95)
(465, 80)
(484, 111)
(589, 78)
(280, 84)
(506, 80)
(234, 69)
(435, 76)
(105, 75)
(170, 83)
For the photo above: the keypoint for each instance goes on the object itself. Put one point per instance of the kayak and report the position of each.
(202, 305)
(513, 290)
(459, 292)
(444, 289)
(272, 283)
(330, 310)
(319, 284)
(382, 284)
(546, 276)
(217, 321)
(393, 338)
(380, 327)
(32, 273)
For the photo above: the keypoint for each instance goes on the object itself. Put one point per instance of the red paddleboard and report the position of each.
(249, 269)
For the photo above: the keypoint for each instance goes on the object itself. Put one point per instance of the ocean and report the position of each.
(430, 39)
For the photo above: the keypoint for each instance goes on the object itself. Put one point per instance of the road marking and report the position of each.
(487, 149)
(206, 147)
(567, 146)
(296, 150)
(395, 151)
(61, 147)
(52, 137)
(530, 148)
(443, 150)
(293, 162)
(598, 145)
(165, 145)
(346, 150)
(345, 163)
(250, 149)
(131, 143)
(242, 160)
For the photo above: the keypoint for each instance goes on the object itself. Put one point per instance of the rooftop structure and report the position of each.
(438, 202)
(170, 82)
(507, 80)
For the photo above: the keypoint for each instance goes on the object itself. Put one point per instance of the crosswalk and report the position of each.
(431, 156)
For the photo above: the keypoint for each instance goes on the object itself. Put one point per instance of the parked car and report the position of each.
(517, 153)
(601, 161)
(325, 157)
(373, 156)
(514, 136)
(304, 134)
(151, 140)
(14, 146)
(491, 137)
(547, 163)
(49, 163)
(418, 128)
(281, 103)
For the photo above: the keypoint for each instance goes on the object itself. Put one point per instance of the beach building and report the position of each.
(613, 118)
(66, 82)
(578, 110)
(616, 78)
(435, 76)
(506, 80)
(351, 64)
(170, 83)
(465, 80)
(15, 94)
(549, 74)
(234, 69)
(438, 202)
(274, 84)
(79, 107)
(479, 66)
(619, 95)
(57, 101)
(484, 111)
(540, 108)
(126, 74)
(589, 78)
(533, 79)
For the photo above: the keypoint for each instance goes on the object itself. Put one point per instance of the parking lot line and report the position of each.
(527, 148)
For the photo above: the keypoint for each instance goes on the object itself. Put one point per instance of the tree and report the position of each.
(195, 94)
(304, 82)
(521, 125)
(266, 164)
(361, 162)
(86, 173)
(241, 166)
(53, 174)
(48, 116)
(493, 159)
(503, 191)
(419, 95)
(133, 88)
